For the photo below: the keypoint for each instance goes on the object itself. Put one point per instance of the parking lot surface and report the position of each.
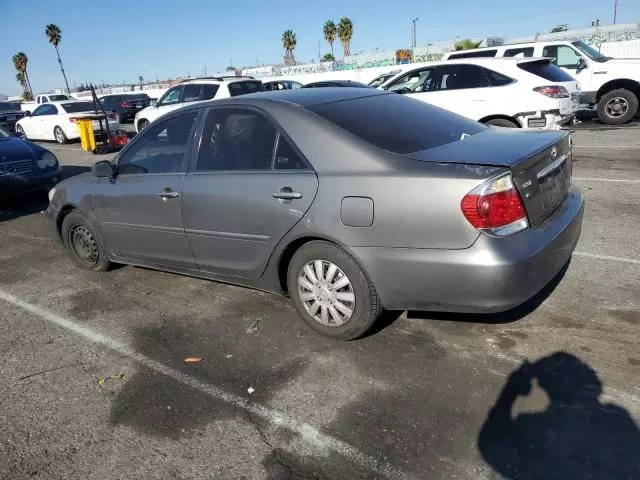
(93, 382)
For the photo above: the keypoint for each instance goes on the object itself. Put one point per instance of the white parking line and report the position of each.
(307, 432)
(607, 257)
(611, 180)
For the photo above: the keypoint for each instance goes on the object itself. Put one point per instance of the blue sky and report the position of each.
(172, 38)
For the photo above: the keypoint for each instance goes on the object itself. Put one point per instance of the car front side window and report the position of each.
(161, 149)
(171, 97)
(565, 57)
(39, 111)
(416, 81)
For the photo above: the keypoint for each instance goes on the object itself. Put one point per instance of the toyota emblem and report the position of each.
(554, 153)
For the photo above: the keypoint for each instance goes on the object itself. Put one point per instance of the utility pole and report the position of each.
(319, 55)
(615, 11)
(413, 33)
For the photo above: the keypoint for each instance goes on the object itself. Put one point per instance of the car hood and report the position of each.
(494, 146)
(13, 148)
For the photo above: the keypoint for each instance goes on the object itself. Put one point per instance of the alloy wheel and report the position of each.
(617, 107)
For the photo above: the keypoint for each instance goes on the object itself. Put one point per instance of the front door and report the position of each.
(36, 125)
(140, 209)
(566, 58)
(247, 188)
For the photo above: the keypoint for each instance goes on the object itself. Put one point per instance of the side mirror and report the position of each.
(102, 169)
(153, 102)
(582, 64)
(27, 113)
(18, 134)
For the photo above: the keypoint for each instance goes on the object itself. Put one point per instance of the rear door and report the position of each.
(248, 186)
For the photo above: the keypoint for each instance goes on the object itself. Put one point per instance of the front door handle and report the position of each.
(287, 193)
(168, 194)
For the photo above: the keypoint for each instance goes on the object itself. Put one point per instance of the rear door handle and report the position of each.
(286, 193)
(170, 194)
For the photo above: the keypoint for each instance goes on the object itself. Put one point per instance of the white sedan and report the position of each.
(57, 121)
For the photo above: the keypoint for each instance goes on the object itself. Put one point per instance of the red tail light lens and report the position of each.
(553, 91)
(125, 105)
(495, 206)
(72, 119)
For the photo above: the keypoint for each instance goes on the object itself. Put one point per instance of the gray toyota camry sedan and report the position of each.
(350, 200)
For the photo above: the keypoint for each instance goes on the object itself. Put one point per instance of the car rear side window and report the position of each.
(476, 54)
(396, 123)
(209, 91)
(523, 52)
(242, 88)
(286, 156)
(546, 70)
(497, 79)
(236, 139)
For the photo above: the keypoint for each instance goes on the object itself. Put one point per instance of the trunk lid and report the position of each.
(540, 163)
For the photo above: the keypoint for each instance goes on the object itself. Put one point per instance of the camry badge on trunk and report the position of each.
(554, 153)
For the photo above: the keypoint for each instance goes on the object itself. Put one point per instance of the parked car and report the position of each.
(505, 92)
(25, 166)
(125, 106)
(281, 85)
(612, 85)
(57, 121)
(47, 98)
(336, 83)
(380, 79)
(197, 90)
(10, 113)
(352, 200)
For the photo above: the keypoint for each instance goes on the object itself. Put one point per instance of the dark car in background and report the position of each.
(336, 83)
(10, 113)
(25, 166)
(125, 106)
(281, 85)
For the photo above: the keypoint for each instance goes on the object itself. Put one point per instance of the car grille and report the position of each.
(18, 167)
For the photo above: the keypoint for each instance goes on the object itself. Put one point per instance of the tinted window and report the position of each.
(396, 123)
(565, 57)
(191, 93)
(458, 77)
(497, 79)
(45, 110)
(286, 156)
(547, 71)
(161, 149)
(241, 88)
(209, 91)
(58, 98)
(236, 140)
(480, 53)
(416, 81)
(524, 52)
(78, 107)
(9, 106)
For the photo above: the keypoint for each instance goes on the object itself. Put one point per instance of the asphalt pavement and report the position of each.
(94, 384)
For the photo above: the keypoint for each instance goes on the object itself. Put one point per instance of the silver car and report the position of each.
(351, 200)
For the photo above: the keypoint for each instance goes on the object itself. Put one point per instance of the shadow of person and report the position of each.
(576, 437)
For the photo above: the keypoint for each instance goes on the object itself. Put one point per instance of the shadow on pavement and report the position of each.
(576, 436)
(23, 204)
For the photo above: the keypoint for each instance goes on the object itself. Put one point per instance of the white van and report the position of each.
(613, 84)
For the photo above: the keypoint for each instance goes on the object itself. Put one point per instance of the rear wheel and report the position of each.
(332, 292)
(84, 249)
(617, 106)
(142, 124)
(501, 122)
(61, 138)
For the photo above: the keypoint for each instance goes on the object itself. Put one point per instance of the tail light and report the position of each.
(125, 105)
(72, 119)
(553, 91)
(495, 207)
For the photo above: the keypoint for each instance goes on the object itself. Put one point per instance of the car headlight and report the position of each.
(48, 159)
(52, 192)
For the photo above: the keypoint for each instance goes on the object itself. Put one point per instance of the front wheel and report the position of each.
(84, 249)
(617, 106)
(142, 124)
(332, 292)
(60, 136)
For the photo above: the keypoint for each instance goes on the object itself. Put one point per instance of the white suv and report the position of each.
(613, 84)
(197, 90)
(505, 92)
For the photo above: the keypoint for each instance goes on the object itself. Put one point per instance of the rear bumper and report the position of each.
(492, 275)
(545, 119)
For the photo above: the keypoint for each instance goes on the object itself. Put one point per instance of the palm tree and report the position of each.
(141, 81)
(289, 43)
(54, 34)
(330, 31)
(20, 61)
(328, 57)
(345, 32)
(467, 44)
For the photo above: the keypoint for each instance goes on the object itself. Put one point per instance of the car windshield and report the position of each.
(396, 123)
(4, 133)
(9, 106)
(76, 107)
(376, 82)
(58, 98)
(591, 52)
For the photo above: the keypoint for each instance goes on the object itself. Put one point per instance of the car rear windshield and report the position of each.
(76, 107)
(547, 71)
(57, 98)
(396, 123)
(9, 106)
(242, 88)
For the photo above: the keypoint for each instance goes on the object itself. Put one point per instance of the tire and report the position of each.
(59, 135)
(366, 307)
(83, 246)
(21, 130)
(501, 122)
(617, 106)
(142, 124)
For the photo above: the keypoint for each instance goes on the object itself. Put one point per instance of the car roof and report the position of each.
(346, 83)
(306, 97)
(218, 80)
